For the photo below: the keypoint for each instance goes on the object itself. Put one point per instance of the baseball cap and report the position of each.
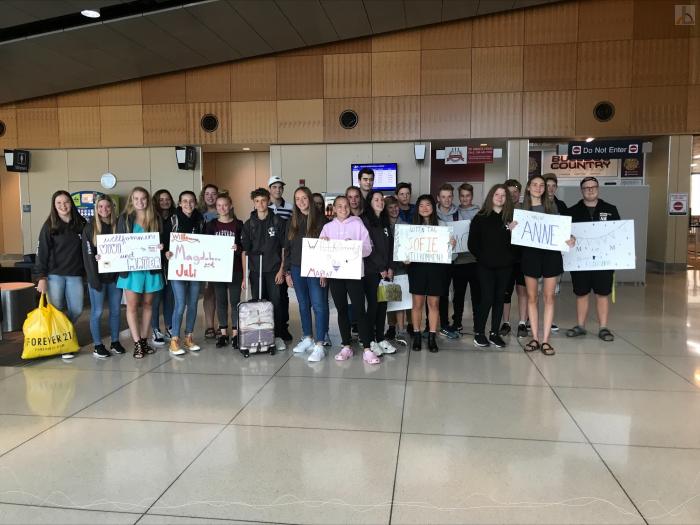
(275, 179)
(589, 179)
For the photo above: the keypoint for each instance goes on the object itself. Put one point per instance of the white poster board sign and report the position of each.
(333, 259)
(128, 252)
(541, 230)
(406, 302)
(460, 231)
(603, 245)
(420, 243)
(199, 257)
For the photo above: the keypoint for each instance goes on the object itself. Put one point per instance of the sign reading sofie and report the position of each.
(608, 149)
(420, 243)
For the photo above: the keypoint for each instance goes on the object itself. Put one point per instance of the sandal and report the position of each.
(532, 346)
(370, 358)
(139, 353)
(344, 354)
(547, 349)
(606, 335)
(210, 333)
(576, 331)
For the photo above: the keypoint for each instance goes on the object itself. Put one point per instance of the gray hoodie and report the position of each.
(463, 214)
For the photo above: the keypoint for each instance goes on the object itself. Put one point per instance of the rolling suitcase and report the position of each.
(256, 322)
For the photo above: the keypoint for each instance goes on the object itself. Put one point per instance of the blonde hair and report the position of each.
(225, 196)
(98, 221)
(151, 222)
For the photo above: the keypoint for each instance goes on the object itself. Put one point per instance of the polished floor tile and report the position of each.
(57, 392)
(84, 360)
(30, 515)
(635, 417)
(487, 410)
(443, 479)
(392, 367)
(101, 464)
(15, 430)
(155, 519)
(212, 360)
(688, 367)
(591, 344)
(348, 404)
(663, 483)
(7, 371)
(187, 398)
(664, 342)
(289, 475)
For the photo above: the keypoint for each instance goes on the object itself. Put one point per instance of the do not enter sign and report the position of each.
(678, 204)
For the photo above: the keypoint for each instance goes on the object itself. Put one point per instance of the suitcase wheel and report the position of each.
(273, 350)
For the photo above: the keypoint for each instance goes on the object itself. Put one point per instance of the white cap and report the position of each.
(275, 179)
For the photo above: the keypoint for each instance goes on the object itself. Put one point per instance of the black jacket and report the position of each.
(561, 205)
(59, 253)
(602, 211)
(126, 225)
(382, 256)
(264, 238)
(293, 247)
(489, 241)
(94, 278)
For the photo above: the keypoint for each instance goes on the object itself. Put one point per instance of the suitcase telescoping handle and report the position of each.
(247, 288)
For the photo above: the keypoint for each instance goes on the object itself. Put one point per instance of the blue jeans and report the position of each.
(164, 297)
(186, 294)
(97, 299)
(66, 294)
(310, 294)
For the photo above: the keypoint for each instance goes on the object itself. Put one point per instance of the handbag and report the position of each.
(388, 292)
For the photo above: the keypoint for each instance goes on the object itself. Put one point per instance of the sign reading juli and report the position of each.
(201, 257)
(608, 149)
(418, 243)
(128, 252)
(541, 230)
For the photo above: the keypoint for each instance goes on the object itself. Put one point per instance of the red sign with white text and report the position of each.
(479, 154)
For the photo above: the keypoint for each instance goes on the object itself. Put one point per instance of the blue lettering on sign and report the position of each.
(540, 233)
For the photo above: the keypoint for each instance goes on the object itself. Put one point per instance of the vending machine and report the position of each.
(84, 202)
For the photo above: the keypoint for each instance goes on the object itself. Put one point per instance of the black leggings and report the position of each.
(340, 290)
(376, 311)
(493, 283)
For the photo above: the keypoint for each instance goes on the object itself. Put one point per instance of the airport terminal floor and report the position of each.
(599, 433)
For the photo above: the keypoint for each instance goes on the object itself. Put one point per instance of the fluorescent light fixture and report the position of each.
(90, 13)
(693, 165)
(246, 149)
(590, 139)
(696, 157)
(482, 145)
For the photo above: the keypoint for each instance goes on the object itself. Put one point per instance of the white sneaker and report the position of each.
(68, 356)
(376, 348)
(318, 354)
(280, 345)
(304, 345)
(386, 347)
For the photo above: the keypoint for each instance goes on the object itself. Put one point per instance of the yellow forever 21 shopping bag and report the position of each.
(47, 331)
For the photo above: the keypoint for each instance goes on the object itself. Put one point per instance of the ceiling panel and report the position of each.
(422, 12)
(348, 17)
(269, 22)
(456, 9)
(385, 15)
(309, 19)
(494, 6)
(11, 16)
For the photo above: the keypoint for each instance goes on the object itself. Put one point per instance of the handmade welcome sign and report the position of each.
(333, 259)
(419, 243)
(460, 232)
(541, 230)
(128, 252)
(603, 245)
(201, 257)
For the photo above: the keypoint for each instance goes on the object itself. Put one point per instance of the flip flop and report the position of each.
(532, 346)
(576, 331)
(606, 335)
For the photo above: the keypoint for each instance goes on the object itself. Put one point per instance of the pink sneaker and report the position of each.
(370, 358)
(344, 354)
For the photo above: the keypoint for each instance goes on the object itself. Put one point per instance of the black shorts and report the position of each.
(428, 279)
(541, 263)
(599, 281)
(516, 277)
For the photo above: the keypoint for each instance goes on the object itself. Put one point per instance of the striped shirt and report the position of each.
(283, 211)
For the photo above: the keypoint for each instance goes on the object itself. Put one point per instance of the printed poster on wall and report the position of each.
(602, 245)
(419, 243)
(199, 257)
(534, 166)
(564, 167)
(128, 252)
(333, 259)
(456, 155)
(632, 167)
(541, 230)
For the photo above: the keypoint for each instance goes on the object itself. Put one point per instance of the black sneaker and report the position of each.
(456, 328)
(285, 335)
(555, 328)
(449, 333)
(505, 329)
(117, 348)
(496, 340)
(234, 341)
(101, 352)
(480, 340)
(222, 341)
(390, 333)
(522, 330)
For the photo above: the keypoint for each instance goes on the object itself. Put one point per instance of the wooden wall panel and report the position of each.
(82, 98)
(496, 115)
(254, 122)
(396, 73)
(121, 125)
(8, 115)
(693, 109)
(37, 128)
(334, 132)
(552, 24)
(549, 66)
(501, 29)
(660, 62)
(347, 75)
(299, 121)
(452, 35)
(164, 124)
(659, 109)
(604, 64)
(445, 71)
(79, 127)
(195, 133)
(254, 79)
(41, 102)
(121, 94)
(299, 77)
(587, 125)
(399, 41)
(395, 118)
(655, 19)
(445, 117)
(605, 20)
(549, 113)
(694, 61)
(496, 69)
(209, 84)
(165, 89)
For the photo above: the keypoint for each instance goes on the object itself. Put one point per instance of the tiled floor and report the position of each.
(599, 433)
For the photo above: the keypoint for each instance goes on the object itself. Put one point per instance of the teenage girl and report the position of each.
(349, 227)
(102, 286)
(140, 286)
(164, 205)
(207, 207)
(396, 320)
(59, 261)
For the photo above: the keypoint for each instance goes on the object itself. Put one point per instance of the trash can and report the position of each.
(18, 299)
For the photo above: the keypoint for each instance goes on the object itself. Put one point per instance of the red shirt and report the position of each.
(229, 229)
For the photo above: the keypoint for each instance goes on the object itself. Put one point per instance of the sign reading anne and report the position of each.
(199, 257)
(603, 245)
(419, 243)
(128, 252)
(333, 259)
(541, 230)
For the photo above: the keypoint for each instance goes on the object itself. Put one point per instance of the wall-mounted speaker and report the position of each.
(209, 123)
(17, 160)
(419, 150)
(186, 157)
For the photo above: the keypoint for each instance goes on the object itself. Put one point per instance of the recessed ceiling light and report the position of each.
(91, 13)
(246, 149)
(693, 165)
(696, 157)
(590, 139)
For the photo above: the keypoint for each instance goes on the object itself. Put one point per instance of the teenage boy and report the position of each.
(517, 281)
(283, 210)
(264, 234)
(355, 199)
(467, 277)
(366, 180)
(600, 282)
(447, 212)
(403, 195)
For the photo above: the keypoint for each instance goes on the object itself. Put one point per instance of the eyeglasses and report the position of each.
(589, 188)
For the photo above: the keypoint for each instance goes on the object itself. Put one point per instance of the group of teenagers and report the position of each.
(268, 250)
